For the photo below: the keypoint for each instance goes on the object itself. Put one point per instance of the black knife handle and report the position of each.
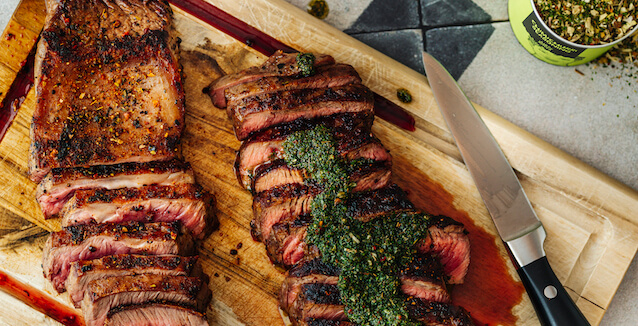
(552, 303)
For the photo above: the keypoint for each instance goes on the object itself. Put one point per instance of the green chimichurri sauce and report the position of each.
(404, 95)
(370, 254)
(306, 64)
(318, 8)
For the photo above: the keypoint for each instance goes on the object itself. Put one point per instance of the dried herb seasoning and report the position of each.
(589, 22)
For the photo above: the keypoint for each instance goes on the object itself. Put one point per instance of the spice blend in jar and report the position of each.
(589, 22)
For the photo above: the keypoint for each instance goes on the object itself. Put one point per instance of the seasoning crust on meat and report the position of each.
(108, 85)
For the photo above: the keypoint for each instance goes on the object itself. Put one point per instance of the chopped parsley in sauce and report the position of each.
(371, 254)
(318, 8)
(306, 64)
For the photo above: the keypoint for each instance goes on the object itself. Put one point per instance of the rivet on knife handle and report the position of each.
(505, 200)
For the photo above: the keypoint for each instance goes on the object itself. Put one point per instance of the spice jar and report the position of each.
(540, 40)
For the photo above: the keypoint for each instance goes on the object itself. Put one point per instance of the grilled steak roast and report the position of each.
(82, 272)
(154, 314)
(92, 241)
(109, 292)
(61, 183)
(108, 85)
(272, 103)
(187, 203)
(104, 144)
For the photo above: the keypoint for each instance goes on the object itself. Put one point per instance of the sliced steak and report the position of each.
(325, 76)
(187, 203)
(258, 112)
(156, 314)
(271, 206)
(447, 240)
(276, 174)
(279, 64)
(286, 245)
(108, 85)
(84, 271)
(368, 205)
(266, 146)
(61, 183)
(424, 278)
(92, 241)
(313, 271)
(438, 313)
(106, 293)
(317, 300)
(369, 158)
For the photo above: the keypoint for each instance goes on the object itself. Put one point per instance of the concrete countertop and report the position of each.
(589, 111)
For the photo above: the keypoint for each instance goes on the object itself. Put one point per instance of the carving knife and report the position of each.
(516, 222)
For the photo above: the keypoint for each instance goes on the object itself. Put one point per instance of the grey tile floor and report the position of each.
(588, 111)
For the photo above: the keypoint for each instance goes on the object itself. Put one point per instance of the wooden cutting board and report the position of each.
(590, 219)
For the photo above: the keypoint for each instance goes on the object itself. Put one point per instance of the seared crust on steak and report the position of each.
(92, 241)
(279, 64)
(84, 271)
(254, 113)
(188, 203)
(106, 293)
(447, 241)
(108, 85)
(61, 183)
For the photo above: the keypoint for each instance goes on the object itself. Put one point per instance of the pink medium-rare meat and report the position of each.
(187, 203)
(104, 294)
(61, 183)
(447, 241)
(279, 64)
(108, 85)
(92, 241)
(155, 314)
(255, 113)
(82, 272)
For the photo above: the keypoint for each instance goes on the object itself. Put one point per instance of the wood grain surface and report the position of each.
(590, 218)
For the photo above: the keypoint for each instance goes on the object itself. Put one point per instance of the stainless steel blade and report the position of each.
(494, 177)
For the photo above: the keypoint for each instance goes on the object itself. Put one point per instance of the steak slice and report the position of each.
(156, 314)
(438, 313)
(82, 272)
(368, 205)
(325, 76)
(447, 240)
(254, 113)
(271, 206)
(424, 278)
(61, 183)
(187, 203)
(92, 241)
(106, 293)
(279, 64)
(369, 158)
(313, 271)
(309, 294)
(108, 85)
(266, 146)
(286, 245)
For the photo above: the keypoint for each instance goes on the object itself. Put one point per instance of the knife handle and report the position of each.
(552, 303)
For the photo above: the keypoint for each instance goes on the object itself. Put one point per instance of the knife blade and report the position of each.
(515, 219)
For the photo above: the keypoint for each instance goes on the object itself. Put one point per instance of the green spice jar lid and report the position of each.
(539, 40)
